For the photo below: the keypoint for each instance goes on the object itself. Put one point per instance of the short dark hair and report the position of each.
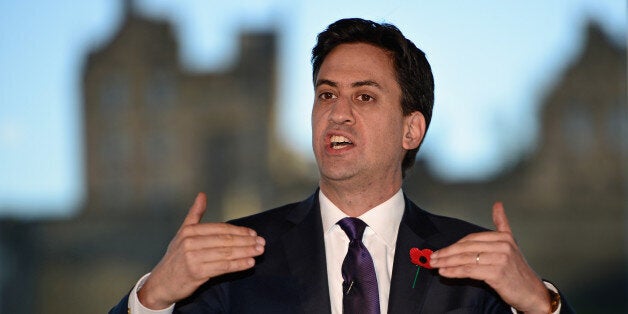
(414, 74)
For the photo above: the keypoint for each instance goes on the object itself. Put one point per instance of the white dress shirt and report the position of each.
(379, 238)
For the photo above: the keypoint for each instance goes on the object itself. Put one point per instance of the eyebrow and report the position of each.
(366, 83)
(355, 84)
(325, 82)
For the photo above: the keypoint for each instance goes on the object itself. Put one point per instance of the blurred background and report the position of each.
(114, 114)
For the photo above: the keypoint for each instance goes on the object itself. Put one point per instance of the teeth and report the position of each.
(338, 142)
(339, 139)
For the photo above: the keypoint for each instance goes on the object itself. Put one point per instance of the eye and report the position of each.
(326, 95)
(365, 97)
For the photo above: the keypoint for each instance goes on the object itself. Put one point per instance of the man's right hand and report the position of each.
(198, 252)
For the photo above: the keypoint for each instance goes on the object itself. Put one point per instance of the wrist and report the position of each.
(539, 301)
(148, 298)
(548, 302)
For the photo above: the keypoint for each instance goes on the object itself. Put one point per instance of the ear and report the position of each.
(413, 130)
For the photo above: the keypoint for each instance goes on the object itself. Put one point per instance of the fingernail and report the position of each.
(260, 240)
(252, 232)
(259, 248)
(434, 255)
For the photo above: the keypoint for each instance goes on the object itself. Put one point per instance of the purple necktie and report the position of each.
(359, 288)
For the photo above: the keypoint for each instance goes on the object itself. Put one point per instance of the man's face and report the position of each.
(357, 122)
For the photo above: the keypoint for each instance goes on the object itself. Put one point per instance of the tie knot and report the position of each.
(353, 227)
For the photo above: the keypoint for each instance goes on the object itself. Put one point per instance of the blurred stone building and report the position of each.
(155, 135)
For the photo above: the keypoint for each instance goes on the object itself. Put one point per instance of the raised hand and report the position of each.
(198, 252)
(495, 258)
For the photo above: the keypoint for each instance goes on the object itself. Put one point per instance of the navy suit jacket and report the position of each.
(291, 275)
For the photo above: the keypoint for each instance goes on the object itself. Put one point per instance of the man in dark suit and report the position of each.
(373, 104)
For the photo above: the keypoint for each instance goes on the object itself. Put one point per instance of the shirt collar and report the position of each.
(383, 219)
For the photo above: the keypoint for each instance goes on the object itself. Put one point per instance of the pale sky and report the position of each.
(492, 62)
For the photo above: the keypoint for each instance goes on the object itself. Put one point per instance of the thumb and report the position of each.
(499, 218)
(197, 210)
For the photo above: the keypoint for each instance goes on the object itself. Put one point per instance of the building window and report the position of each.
(160, 89)
(577, 128)
(617, 126)
(115, 93)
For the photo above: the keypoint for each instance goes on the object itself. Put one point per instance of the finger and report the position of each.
(196, 210)
(453, 260)
(216, 228)
(471, 258)
(220, 241)
(213, 269)
(480, 242)
(477, 272)
(499, 218)
(225, 253)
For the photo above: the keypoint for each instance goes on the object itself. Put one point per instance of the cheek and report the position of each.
(315, 114)
(389, 137)
(318, 119)
(388, 127)
(318, 129)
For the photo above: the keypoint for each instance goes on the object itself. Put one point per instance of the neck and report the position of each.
(355, 200)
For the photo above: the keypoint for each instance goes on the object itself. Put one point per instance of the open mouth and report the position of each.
(339, 142)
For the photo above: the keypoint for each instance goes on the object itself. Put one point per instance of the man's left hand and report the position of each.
(495, 258)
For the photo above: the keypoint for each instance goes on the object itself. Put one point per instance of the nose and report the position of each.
(341, 112)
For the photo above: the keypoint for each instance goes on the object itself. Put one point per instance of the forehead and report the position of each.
(357, 62)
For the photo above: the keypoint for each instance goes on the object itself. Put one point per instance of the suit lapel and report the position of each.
(415, 230)
(305, 253)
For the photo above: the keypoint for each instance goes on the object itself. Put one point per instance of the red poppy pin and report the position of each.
(420, 258)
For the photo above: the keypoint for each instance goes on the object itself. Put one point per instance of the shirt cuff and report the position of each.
(548, 286)
(135, 307)
(551, 287)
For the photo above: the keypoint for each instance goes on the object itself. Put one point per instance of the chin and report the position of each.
(336, 175)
